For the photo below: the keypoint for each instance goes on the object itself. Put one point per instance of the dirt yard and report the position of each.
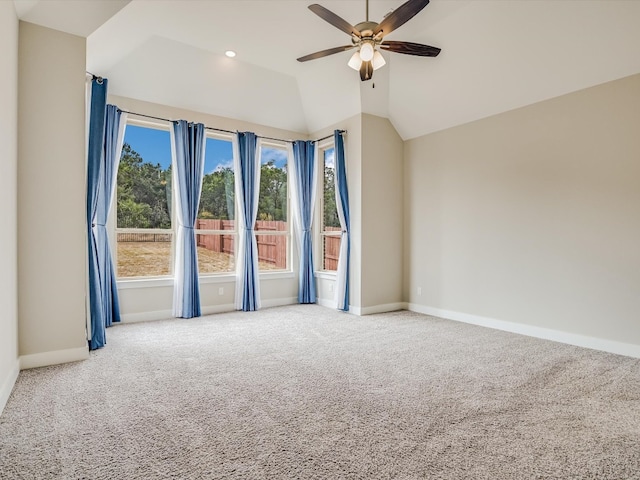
(151, 259)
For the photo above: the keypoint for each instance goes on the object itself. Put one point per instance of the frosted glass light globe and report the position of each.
(366, 52)
(355, 61)
(378, 60)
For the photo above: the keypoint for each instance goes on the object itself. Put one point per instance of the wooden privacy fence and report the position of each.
(144, 237)
(331, 249)
(272, 249)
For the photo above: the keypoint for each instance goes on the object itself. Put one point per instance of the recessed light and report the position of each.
(230, 53)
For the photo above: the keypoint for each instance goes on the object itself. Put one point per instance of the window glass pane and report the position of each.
(216, 252)
(144, 254)
(330, 218)
(272, 209)
(217, 200)
(144, 179)
(143, 202)
(272, 249)
(330, 251)
(272, 205)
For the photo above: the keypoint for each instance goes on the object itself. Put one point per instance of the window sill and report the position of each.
(276, 275)
(144, 283)
(204, 279)
(326, 275)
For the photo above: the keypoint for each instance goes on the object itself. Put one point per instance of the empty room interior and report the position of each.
(261, 239)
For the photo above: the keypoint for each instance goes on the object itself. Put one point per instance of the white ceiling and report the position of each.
(496, 55)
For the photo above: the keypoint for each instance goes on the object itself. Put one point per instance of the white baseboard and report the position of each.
(227, 307)
(279, 302)
(53, 358)
(384, 308)
(6, 387)
(325, 302)
(611, 346)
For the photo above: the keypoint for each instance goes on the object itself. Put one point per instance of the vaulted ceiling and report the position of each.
(497, 55)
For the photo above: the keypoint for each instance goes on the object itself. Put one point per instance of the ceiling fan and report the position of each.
(368, 36)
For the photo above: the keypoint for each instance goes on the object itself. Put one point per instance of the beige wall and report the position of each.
(8, 198)
(51, 191)
(382, 213)
(532, 216)
(154, 300)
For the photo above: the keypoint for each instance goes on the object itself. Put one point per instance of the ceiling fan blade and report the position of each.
(366, 71)
(324, 53)
(410, 48)
(400, 16)
(334, 20)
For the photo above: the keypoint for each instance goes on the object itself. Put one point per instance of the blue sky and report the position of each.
(154, 146)
(330, 157)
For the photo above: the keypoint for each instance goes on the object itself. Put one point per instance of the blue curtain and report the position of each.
(247, 172)
(106, 132)
(188, 147)
(342, 204)
(304, 173)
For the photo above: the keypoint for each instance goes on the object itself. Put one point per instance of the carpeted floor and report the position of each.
(304, 392)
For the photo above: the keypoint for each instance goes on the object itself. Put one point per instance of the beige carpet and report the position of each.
(306, 392)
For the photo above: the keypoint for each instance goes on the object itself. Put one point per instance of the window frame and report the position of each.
(320, 233)
(282, 146)
(228, 138)
(113, 216)
(213, 277)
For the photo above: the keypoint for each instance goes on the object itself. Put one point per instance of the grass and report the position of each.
(153, 259)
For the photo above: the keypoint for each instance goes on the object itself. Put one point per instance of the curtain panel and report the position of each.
(305, 154)
(106, 133)
(188, 143)
(246, 154)
(342, 204)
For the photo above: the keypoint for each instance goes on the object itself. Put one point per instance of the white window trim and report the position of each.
(288, 272)
(319, 234)
(149, 281)
(220, 277)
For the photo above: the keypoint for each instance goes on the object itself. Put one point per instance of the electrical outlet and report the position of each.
(419, 291)
(221, 291)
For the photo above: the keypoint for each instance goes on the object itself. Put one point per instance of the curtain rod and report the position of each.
(98, 78)
(220, 129)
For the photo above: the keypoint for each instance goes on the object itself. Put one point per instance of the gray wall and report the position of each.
(8, 198)
(51, 194)
(532, 216)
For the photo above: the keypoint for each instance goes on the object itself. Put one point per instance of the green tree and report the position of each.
(144, 192)
(217, 197)
(330, 211)
(273, 192)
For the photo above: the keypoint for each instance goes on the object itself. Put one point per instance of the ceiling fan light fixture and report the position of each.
(355, 61)
(378, 60)
(367, 36)
(366, 52)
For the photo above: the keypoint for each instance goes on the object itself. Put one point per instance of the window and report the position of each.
(272, 223)
(216, 226)
(144, 219)
(330, 230)
(144, 234)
